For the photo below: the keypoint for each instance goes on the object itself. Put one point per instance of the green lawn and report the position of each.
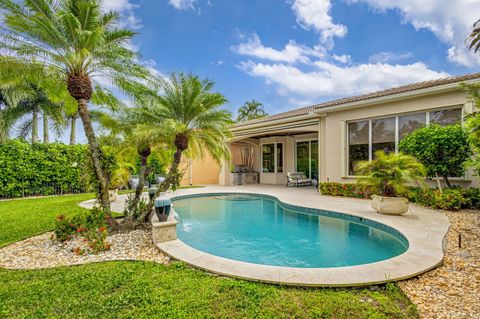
(141, 289)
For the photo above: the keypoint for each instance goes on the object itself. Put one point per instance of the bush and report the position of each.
(451, 199)
(42, 169)
(90, 226)
(442, 149)
(345, 189)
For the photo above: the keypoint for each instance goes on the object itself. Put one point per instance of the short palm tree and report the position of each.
(390, 174)
(74, 42)
(251, 110)
(188, 116)
(473, 39)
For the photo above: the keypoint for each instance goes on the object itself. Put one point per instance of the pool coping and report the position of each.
(424, 228)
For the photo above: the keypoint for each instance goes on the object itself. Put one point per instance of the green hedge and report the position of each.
(450, 199)
(42, 169)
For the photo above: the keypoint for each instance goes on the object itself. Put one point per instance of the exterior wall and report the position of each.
(330, 128)
(200, 172)
(334, 138)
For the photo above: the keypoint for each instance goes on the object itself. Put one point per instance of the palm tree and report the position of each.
(391, 174)
(74, 42)
(473, 39)
(128, 129)
(188, 116)
(25, 98)
(251, 110)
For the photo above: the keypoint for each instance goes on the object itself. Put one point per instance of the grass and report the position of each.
(143, 289)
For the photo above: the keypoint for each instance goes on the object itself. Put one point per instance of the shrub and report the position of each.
(442, 149)
(451, 199)
(41, 169)
(347, 190)
(90, 226)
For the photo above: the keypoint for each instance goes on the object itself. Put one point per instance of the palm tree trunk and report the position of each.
(73, 130)
(96, 155)
(46, 138)
(139, 189)
(35, 126)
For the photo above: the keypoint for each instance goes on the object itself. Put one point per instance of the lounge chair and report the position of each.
(298, 179)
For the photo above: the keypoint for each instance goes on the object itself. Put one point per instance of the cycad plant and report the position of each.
(72, 41)
(391, 174)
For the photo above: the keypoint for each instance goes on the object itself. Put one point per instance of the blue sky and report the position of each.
(288, 54)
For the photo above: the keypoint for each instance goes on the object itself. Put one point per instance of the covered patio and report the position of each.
(266, 154)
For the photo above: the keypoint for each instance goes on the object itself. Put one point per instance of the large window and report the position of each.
(358, 144)
(307, 158)
(365, 137)
(383, 135)
(272, 158)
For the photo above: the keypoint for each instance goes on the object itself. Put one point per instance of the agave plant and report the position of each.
(391, 174)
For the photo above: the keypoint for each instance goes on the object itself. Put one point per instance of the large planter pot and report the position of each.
(390, 205)
(112, 195)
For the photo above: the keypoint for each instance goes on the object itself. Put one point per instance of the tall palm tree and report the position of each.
(251, 110)
(26, 101)
(473, 39)
(72, 41)
(188, 115)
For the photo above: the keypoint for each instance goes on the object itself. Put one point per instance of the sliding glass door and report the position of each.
(307, 158)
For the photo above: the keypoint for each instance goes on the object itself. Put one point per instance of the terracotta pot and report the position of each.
(112, 195)
(389, 205)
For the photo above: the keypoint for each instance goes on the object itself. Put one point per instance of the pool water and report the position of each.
(260, 229)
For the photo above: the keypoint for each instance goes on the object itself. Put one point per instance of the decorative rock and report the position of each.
(41, 252)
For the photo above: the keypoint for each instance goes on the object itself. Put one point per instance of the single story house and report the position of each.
(324, 141)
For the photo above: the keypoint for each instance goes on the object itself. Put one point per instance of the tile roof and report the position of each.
(392, 91)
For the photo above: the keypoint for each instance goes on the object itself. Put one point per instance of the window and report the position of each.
(409, 123)
(358, 144)
(446, 117)
(268, 158)
(365, 137)
(307, 158)
(279, 158)
(272, 158)
(383, 135)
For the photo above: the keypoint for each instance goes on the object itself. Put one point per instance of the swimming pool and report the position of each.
(259, 229)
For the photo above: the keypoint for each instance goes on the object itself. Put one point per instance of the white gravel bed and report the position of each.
(41, 252)
(452, 290)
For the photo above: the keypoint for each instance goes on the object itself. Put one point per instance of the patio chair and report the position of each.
(298, 179)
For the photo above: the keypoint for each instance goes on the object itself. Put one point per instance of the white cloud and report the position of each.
(182, 4)
(328, 79)
(449, 20)
(315, 14)
(126, 10)
(291, 53)
(386, 57)
(344, 58)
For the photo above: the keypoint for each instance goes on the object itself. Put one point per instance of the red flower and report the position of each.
(102, 229)
(81, 229)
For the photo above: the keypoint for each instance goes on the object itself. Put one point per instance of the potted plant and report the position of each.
(389, 176)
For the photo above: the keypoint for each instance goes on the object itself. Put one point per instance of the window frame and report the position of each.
(309, 140)
(275, 166)
(397, 133)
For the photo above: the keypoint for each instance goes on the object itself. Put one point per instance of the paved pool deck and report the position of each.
(424, 228)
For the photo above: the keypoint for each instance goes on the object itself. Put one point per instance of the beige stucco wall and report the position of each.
(331, 132)
(202, 171)
(334, 140)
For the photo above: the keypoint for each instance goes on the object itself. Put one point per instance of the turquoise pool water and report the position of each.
(260, 229)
